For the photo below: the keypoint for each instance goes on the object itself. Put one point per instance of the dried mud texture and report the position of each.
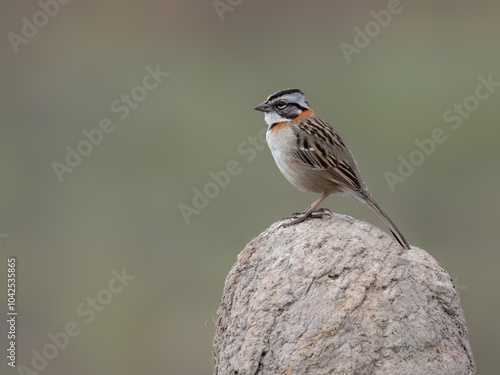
(338, 296)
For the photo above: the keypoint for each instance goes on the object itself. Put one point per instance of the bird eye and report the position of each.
(281, 104)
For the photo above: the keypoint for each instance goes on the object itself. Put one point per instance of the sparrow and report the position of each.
(313, 157)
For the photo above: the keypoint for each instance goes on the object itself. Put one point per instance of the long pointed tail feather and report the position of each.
(392, 227)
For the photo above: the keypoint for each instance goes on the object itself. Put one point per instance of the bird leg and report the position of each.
(310, 213)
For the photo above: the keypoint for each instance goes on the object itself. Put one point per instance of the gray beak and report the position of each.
(263, 107)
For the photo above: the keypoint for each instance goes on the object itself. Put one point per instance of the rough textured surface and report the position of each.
(338, 296)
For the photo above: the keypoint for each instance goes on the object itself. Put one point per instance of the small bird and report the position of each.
(313, 157)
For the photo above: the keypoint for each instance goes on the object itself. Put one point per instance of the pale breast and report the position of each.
(282, 142)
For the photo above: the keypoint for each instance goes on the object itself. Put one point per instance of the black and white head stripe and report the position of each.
(294, 97)
(284, 92)
(284, 105)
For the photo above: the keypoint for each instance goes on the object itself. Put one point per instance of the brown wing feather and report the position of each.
(319, 146)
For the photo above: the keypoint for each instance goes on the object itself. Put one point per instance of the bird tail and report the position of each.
(394, 230)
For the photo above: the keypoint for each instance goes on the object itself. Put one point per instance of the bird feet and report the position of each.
(299, 217)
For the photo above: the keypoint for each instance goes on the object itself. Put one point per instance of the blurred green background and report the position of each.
(120, 206)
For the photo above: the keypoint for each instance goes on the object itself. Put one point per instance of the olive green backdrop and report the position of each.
(118, 209)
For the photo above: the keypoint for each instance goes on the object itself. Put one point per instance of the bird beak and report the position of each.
(263, 107)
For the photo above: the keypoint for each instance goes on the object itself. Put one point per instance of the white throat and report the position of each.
(273, 118)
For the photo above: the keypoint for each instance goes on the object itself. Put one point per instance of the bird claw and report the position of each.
(299, 217)
(292, 216)
(320, 212)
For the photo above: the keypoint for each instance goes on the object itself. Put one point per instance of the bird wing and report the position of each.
(319, 146)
